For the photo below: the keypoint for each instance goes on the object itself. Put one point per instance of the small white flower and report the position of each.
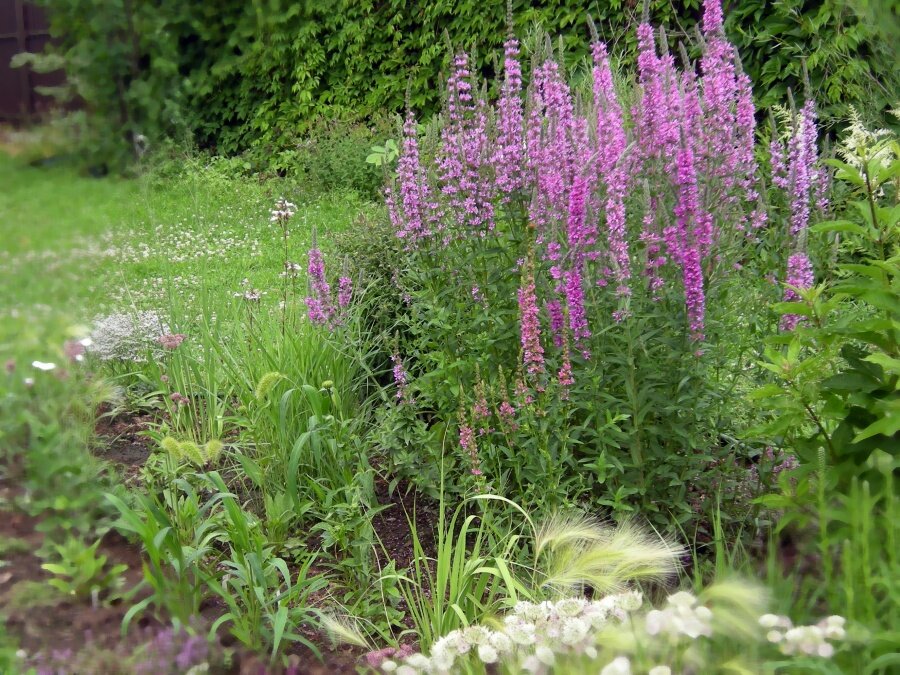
(406, 670)
(532, 664)
(389, 666)
(631, 601)
(42, 365)
(571, 606)
(682, 599)
(522, 633)
(768, 621)
(487, 653)
(419, 661)
(501, 642)
(825, 650)
(28, 381)
(774, 637)
(618, 666)
(654, 622)
(660, 670)
(477, 635)
(574, 630)
(545, 655)
(590, 651)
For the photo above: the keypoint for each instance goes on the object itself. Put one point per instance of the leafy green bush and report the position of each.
(235, 76)
(834, 401)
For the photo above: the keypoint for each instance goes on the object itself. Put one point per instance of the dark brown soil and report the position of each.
(62, 625)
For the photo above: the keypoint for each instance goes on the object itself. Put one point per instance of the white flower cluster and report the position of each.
(683, 615)
(283, 211)
(532, 633)
(129, 337)
(809, 640)
(858, 139)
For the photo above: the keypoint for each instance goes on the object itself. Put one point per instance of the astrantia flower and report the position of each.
(618, 666)
(74, 350)
(171, 341)
(487, 653)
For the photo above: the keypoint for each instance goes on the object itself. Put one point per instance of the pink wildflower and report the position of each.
(529, 322)
(799, 276)
(345, 290)
(171, 341)
(509, 153)
(318, 301)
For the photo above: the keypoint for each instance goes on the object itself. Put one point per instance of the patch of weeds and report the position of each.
(31, 594)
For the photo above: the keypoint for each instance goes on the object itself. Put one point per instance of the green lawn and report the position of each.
(75, 246)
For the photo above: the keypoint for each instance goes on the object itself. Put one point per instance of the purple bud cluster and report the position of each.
(799, 276)
(320, 303)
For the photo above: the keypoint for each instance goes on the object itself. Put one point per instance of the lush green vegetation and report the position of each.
(264, 77)
(606, 379)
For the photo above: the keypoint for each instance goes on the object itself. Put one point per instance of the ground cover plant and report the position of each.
(606, 381)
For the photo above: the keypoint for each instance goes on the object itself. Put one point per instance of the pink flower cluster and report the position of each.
(799, 276)
(795, 168)
(320, 304)
(610, 199)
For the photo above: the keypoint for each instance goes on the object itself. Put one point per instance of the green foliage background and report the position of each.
(237, 74)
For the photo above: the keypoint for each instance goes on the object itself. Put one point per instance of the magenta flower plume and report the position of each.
(795, 169)
(509, 154)
(465, 152)
(800, 276)
(557, 143)
(345, 291)
(412, 214)
(318, 302)
(529, 322)
(611, 169)
(401, 379)
(712, 16)
(565, 377)
(683, 244)
(578, 323)
(557, 321)
(657, 113)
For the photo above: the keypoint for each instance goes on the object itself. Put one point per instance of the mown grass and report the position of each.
(74, 246)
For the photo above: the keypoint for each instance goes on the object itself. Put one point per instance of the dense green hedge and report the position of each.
(234, 74)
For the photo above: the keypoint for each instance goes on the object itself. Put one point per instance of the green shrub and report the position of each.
(235, 76)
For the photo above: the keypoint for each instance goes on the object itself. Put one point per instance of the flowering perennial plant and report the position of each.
(603, 229)
(572, 165)
(610, 636)
(324, 308)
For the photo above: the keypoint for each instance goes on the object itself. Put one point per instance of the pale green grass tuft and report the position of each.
(574, 551)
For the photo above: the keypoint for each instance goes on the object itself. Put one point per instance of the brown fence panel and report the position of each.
(23, 28)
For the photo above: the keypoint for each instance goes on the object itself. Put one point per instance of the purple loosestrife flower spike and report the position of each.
(611, 169)
(800, 276)
(345, 291)
(401, 379)
(529, 320)
(687, 251)
(318, 302)
(510, 150)
(795, 169)
(411, 216)
(578, 323)
(557, 321)
(465, 151)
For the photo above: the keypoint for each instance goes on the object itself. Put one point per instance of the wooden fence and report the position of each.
(23, 28)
